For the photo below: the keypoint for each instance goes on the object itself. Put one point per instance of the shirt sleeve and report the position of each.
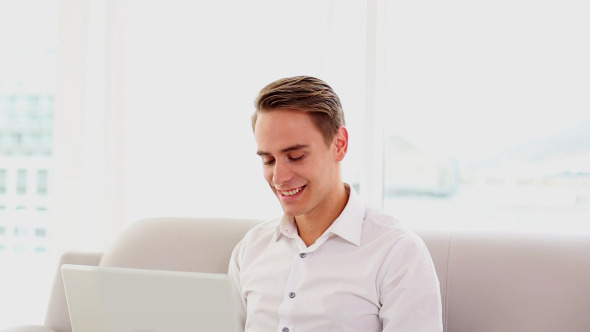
(234, 276)
(410, 290)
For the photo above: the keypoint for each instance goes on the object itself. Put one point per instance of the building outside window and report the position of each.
(27, 88)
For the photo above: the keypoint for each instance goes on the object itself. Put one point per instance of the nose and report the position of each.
(281, 173)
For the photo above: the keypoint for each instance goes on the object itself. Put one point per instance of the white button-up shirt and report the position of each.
(365, 273)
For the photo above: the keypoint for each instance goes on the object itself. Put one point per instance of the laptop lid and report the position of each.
(107, 299)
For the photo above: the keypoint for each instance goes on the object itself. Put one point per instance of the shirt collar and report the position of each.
(348, 225)
(287, 227)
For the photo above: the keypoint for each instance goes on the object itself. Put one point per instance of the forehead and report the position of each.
(280, 129)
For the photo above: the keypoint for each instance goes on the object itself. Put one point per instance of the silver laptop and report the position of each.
(106, 299)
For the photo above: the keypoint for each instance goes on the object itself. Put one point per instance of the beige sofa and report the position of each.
(496, 282)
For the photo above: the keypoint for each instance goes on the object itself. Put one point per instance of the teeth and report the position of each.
(291, 192)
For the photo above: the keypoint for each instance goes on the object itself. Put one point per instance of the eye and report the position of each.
(268, 161)
(296, 158)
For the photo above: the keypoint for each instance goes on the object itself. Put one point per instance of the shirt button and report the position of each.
(291, 295)
(302, 255)
(285, 329)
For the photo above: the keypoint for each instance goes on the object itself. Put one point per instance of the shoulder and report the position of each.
(382, 227)
(261, 233)
(403, 250)
(380, 222)
(264, 229)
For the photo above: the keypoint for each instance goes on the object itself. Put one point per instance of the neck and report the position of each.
(311, 226)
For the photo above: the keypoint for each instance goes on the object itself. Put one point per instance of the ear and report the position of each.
(341, 143)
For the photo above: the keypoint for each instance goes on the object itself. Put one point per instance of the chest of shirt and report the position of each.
(337, 281)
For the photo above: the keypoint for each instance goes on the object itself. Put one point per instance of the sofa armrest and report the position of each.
(57, 317)
(29, 328)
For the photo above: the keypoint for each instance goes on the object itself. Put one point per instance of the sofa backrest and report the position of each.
(178, 244)
(496, 282)
(490, 282)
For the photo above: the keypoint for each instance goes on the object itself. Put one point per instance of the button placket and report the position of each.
(290, 291)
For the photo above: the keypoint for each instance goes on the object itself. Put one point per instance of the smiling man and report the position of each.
(329, 264)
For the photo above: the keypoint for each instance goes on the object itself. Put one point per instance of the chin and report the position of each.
(289, 211)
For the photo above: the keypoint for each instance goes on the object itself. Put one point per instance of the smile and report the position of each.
(291, 192)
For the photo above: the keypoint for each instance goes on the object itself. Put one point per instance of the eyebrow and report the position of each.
(285, 150)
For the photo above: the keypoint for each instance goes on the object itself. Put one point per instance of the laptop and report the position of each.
(107, 299)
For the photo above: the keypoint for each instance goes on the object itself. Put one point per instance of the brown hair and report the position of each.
(306, 94)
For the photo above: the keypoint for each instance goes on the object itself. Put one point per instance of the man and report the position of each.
(329, 264)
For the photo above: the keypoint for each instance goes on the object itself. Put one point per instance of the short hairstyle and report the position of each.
(306, 94)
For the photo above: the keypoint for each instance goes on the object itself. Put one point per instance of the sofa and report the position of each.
(490, 282)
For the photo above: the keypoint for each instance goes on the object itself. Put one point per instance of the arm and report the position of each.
(410, 291)
(234, 276)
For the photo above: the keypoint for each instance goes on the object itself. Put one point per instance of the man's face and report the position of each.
(301, 169)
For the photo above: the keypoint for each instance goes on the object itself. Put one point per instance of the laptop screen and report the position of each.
(107, 299)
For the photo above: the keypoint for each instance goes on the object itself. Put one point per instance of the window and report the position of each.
(27, 88)
(2, 181)
(20, 232)
(42, 182)
(210, 143)
(40, 232)
(21, 181)
(486, 116)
